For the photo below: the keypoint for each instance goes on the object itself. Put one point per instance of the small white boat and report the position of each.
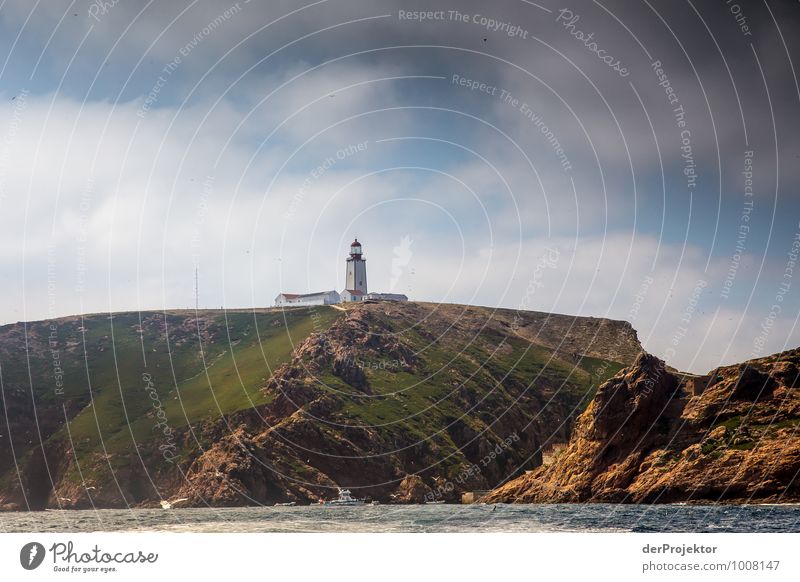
(287, 504)
(437, 502)
(345, 498)
(171, 504)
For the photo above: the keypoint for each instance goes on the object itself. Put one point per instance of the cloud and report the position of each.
(142, 143)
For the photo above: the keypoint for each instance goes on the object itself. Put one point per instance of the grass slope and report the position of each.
(125, 373)
(199, 367)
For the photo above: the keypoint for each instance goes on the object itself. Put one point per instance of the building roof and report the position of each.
(355, 243)
(299, 296)
(353, 292)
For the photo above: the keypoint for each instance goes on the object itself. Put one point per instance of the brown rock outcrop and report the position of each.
(645, 439)
(412, 489)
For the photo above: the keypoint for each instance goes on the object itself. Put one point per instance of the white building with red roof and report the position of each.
(349, 295)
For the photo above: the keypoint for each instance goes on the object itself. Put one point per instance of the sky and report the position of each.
(634, 161)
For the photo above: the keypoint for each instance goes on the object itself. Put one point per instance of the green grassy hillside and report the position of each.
(409, 387)
(199, 366)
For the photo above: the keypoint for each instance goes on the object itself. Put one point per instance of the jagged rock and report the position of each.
(753, 385)
(348, 369)
(787, 373)
(645, 439)
(412, 489)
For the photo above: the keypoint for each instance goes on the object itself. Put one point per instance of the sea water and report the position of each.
(418, 518)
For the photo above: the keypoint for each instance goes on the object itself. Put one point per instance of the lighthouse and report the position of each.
(355, 288)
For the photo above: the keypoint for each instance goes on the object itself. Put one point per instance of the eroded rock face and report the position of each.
(630, 404)
(384, 399)
(753, 385)
(245, 469)
(303, 444)
(644, 439)
(412, 489)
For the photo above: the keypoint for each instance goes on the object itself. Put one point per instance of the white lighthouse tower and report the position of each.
(355, 288)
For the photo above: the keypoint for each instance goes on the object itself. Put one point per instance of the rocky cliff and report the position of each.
(393, 401)
(651, 436)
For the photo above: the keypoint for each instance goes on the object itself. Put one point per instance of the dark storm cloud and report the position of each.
(664, 190)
